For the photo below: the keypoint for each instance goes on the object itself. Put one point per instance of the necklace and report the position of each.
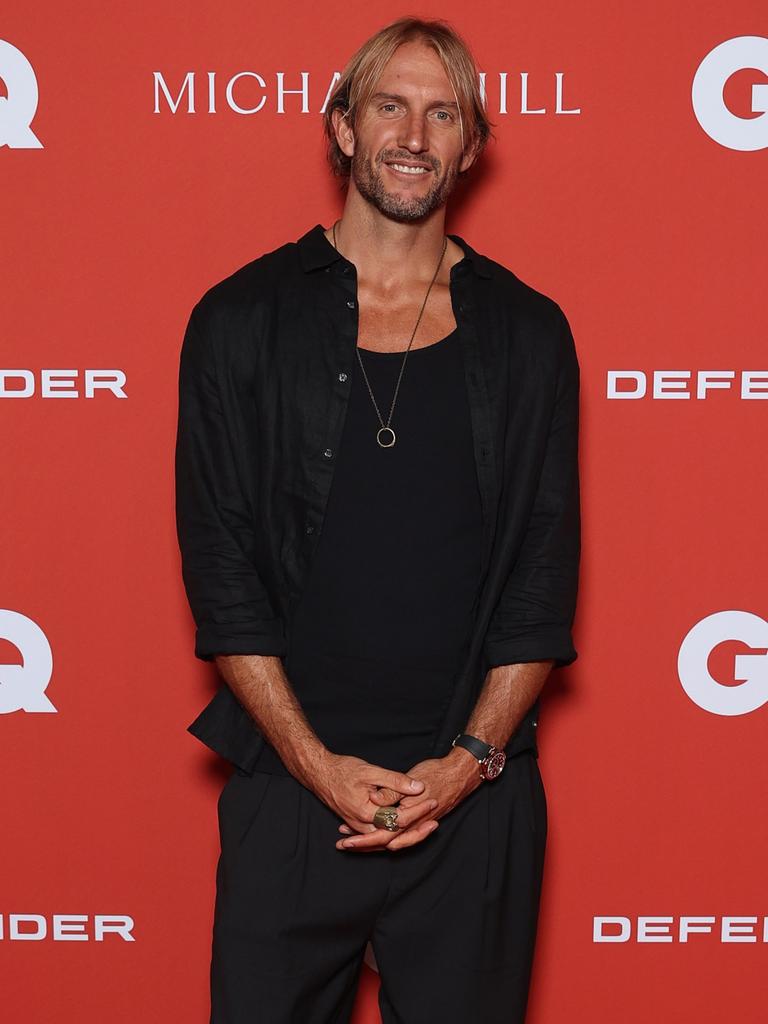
(385, 435)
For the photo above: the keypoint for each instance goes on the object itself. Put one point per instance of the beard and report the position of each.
(369, 183)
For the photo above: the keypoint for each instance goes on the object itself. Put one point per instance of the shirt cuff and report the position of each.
(540, 646)
(265, 639)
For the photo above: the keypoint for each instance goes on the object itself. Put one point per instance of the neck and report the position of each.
(387, 252)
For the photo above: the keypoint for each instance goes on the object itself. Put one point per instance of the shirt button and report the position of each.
(350, 303)
(310, 528)
(342, 377)
(328, 453)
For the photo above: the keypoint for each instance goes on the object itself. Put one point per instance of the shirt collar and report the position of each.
(315, 251)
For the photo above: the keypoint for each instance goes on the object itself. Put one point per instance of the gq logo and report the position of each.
(696, 648)
(18, 108)
(721, 124)
(22, 687)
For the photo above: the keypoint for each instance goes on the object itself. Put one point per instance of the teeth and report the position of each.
(410, 170)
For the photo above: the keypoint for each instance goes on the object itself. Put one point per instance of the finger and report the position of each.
(382, 839)
(364, 850)
(383, 796)
(378, 835)
(400, 782)
(411, 815)
(359, 827)
(362, 843)
(354, 827)
(415, 811)
(413, 835)
(413, 801)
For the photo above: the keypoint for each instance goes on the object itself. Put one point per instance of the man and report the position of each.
(438, 394)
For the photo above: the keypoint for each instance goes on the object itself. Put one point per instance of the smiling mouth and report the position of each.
(412, 170)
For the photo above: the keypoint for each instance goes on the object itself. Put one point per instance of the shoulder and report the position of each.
(533, 315)
(538, 308)
(237, 298)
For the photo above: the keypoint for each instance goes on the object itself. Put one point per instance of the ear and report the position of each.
(345, 137)
(469, 156)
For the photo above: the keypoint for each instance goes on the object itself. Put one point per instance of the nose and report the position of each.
(413, 132)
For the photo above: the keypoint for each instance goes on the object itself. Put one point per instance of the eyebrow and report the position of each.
(402, 99)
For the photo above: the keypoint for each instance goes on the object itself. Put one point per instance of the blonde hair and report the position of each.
(363, 70)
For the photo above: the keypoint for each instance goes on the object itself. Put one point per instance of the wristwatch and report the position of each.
(490, 758)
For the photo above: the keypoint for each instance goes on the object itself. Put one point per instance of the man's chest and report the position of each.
(387, 322)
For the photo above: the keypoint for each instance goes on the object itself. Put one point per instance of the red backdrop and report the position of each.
(644, 215)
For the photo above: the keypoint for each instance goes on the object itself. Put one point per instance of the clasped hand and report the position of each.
(355, 789)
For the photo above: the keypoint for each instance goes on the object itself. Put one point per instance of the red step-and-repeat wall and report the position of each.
(146, 153)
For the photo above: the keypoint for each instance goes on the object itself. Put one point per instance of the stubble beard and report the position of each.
(370, 185)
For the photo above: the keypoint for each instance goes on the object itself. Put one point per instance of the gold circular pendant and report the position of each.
(385, 430)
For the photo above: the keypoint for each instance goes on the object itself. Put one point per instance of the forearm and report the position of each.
(507, 694)
(260, 684)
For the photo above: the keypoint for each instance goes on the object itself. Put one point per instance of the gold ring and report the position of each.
(386, 817)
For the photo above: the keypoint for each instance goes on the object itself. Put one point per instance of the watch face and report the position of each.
(494, 763)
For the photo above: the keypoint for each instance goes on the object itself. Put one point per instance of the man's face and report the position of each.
(411, 121)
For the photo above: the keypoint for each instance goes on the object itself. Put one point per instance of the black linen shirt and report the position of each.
(264, 376)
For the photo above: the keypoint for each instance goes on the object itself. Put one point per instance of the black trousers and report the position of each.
(451, 920)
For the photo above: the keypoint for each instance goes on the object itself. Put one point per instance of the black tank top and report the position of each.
(380, 630)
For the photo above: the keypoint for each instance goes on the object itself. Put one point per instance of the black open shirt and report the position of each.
(264, 376)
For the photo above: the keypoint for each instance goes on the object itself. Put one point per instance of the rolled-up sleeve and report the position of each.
(533, 619)
(215, 520)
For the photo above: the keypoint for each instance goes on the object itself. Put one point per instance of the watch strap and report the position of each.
(476, 747)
